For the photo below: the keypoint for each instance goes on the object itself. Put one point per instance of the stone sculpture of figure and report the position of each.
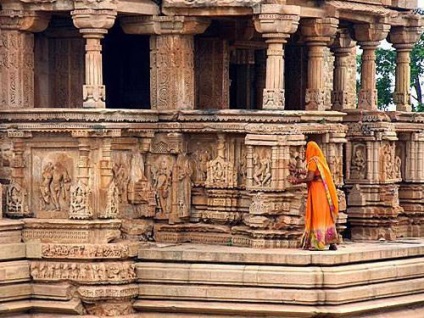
(261, 170)
(296, 164)
(184, 172)
(121, 179)
(397, 170)
(60, 184)
(358, 164)
(47, 176)
(162, 181)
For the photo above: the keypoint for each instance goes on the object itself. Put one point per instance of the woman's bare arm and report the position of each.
(309, 177)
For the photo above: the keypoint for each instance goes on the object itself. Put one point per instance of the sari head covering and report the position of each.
(314, 153)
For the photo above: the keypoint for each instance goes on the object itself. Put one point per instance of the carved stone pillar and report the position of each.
(171, 57)
(93, 25)
(318, 34)
(342, 97)
(369, 37)
(403, 39)
(276, 28)
(17, 56)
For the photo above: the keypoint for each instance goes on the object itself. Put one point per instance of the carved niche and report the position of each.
(387, 160)
(201, 152)
(297, 165)
(261, 166)
(53, 175)
(358, 165)
(140, 191)
(80, 201)
(181, 202)
(400, 152)
(161, 178)
(221, 172)
(16, 201)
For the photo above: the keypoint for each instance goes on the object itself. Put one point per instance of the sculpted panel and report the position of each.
(53, 174)
(89, 251)
(91, 273)
(358, 167)
(161, 171)
(262, 166)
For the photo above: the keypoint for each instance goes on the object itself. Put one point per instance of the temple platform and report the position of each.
(372, 279)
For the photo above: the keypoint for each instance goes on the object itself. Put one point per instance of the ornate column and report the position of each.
(403, 39)
(318, 34)
(369, 37)
(342, 96)
(17, 56)
(171, 58)
(276, 28)
(93, 23)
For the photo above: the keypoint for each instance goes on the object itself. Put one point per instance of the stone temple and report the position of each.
(144, 154)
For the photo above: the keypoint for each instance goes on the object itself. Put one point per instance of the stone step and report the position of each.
(349, 253)
(400, 307)
(280, 276)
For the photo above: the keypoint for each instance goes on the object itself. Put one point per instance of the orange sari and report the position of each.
(322, 205)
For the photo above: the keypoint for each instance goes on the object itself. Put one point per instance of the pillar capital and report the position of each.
(404, 37)
(89, 20)
(96, 4)
(370, 34)
(319, 30)
(342, 43)
(275, 25)
(23, 20)
(164, 25)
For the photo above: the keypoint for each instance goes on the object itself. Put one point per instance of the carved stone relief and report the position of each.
(161, 173)
(221, 173)
(182, 173)
(297, 166)
(17, 201)
(262, 167)
(387, 159)
(121, 177)
(80, 207)
(112, 309)
(358, 167)
(118, 272)
(201, 154)
(55, 186)
(140, 191)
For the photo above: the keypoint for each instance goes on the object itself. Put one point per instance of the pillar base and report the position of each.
(273, 99)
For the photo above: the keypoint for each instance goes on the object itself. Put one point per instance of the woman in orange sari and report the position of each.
(322, 205)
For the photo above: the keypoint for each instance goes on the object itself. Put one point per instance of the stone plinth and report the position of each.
(357, 279)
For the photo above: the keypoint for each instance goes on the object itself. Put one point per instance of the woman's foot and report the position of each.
(333, 247)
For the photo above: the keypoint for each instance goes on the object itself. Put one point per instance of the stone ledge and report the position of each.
(14, 272)
(12, 251)
(401, 307)
(73, 307)
(347, 254)
(291, 296)
(15, 292)
(280, 276)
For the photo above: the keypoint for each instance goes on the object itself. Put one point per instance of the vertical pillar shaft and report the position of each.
(315, 91)
(273, 95)
(172, 71)
(93, 90)
(368, 92)
(402, 97)
(16, 69)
